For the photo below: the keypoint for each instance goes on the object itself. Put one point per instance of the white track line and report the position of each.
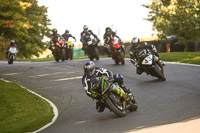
(185, 64)
(55, 110)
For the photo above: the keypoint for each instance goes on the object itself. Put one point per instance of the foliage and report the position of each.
(176, 17)
(26, 23)
(22, 111)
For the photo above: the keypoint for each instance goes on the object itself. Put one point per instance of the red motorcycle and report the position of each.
(118, 51)
(59, 50)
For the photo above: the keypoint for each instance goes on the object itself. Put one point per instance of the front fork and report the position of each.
(158, 62)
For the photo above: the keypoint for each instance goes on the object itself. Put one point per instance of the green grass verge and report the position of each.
(180, 57)
(22, 111)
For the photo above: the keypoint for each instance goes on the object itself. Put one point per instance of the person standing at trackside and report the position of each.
(88, 80)
(84, 35)
(138, 46)
(12, 44)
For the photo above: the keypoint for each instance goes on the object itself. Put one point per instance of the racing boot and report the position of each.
(99, 106)
(139, 70)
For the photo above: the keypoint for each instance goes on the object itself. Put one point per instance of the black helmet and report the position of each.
(108, 29)
(89, 68)
(54, 30)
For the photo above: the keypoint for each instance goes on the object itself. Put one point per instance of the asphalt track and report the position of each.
(160, 103)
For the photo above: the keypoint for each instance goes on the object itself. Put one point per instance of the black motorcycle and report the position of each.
(92, 47)
(150, 64)
(113, 97)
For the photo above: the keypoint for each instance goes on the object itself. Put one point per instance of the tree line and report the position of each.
(25, 22)
(176, 17)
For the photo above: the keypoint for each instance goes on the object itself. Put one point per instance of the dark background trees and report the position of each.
(176, 17)
(25, 22)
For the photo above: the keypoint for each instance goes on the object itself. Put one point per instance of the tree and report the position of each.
(26, 23)
(177, 17)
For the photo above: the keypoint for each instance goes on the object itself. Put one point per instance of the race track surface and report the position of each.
(175, 100)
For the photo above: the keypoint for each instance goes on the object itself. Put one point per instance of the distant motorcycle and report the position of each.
(117, 51)
(92, 47)
(69, 50)
(113, 97)
(12, 53)
(59, 50)
(150, 64)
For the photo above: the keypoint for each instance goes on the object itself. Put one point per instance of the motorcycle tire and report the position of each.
(63, 54)
(56, 56)
(97, 53)
(71, 54)
(133, 105)
(159, 73)
(115, 109)
(122, 58)
(91, 58)
(66, 54)
(116, 62)
(10, 61)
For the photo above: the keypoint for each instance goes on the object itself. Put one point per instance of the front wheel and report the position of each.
(10, 59)
(63, 54)
(116, 105)
(71, 54)
(159, 73)
(96, 53)
(122, 58)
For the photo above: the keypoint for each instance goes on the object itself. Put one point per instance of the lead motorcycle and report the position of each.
(12, 53)
(113, 97)
(118, 51)
(150, 64)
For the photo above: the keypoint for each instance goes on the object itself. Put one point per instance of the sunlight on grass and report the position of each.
(22, 111)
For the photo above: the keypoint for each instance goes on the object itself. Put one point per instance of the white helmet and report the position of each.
(85, 27)
(135, 40)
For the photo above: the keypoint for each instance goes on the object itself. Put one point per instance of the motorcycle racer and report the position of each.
(12, 44)
(54, 38)
(138, 46)
(85, 33)
(67, 35)
(89, 79)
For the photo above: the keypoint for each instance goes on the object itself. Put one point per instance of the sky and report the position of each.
(126, 17)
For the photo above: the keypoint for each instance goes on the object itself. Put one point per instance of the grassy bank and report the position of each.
(20, 110)
(181, 57)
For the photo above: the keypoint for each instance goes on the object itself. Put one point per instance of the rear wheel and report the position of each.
(122, 58)
(115, 104)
